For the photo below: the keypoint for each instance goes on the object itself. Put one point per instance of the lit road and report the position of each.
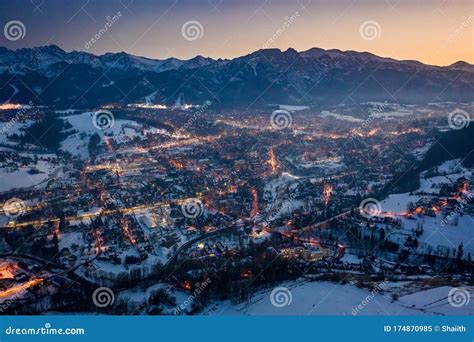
(18, 288)
(95, 214)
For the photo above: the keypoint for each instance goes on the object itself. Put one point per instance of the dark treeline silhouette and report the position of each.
(454, 143)
(46, 133)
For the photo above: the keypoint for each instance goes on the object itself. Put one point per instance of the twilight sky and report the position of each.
(432, 31)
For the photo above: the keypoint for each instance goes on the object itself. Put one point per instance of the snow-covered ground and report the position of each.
(457, 230)
(9, 128)
(137, 300)
(279, 185)
(328, 165)
(450, 235)
(77, 143)
(281, 193)
(395, 114)
(451, 170)
(67, 240)
(325, 114)
(292, 108)
(20, 178)
(327, 298)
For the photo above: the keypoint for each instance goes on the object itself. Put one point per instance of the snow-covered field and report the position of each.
(9, 128)
(379, 110)
(279, 185)
(15, 174)
(326, 298)
(20, 178)
(77, 143)
(325, 165)
(325, 114)
(456, 231)
(67, 240)
(292, 108)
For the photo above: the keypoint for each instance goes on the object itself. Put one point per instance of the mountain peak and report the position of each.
(266, 52)
(291, 51)
(462, 65)
(267, 74)
(50, 49)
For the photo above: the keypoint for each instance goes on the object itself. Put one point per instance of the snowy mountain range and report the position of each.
(49, 75)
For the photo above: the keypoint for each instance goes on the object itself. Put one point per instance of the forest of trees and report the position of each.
(457, 144)
(46, 134)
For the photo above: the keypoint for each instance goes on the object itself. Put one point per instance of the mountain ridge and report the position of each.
(50, 75)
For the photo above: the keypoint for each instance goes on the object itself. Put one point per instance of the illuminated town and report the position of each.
(164, 199)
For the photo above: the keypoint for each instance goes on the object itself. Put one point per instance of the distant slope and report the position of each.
(451, 145)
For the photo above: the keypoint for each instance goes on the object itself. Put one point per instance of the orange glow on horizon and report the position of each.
(10, 106)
